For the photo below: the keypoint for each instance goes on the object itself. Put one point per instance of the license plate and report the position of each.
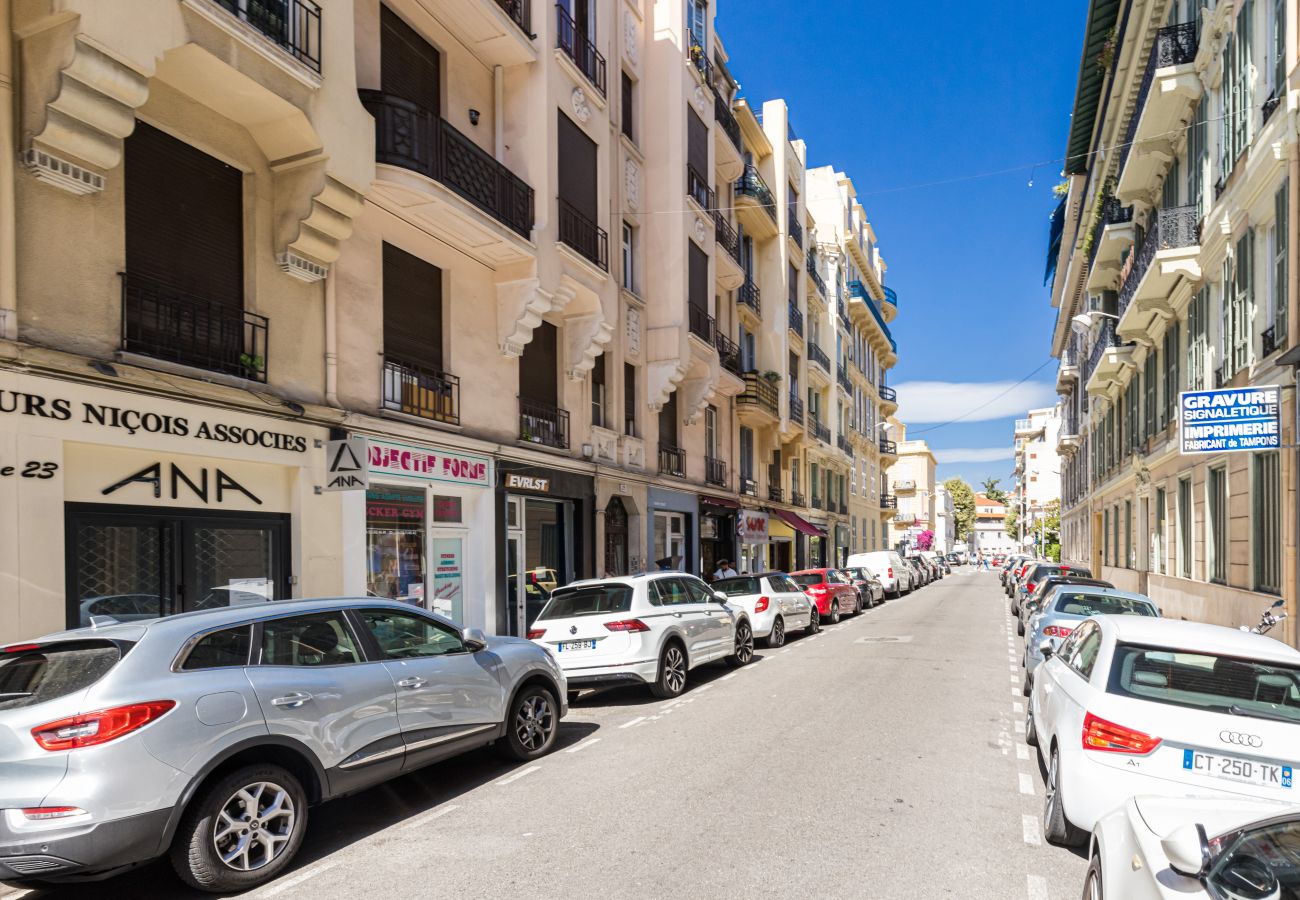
(1234, 768)
(566, 646)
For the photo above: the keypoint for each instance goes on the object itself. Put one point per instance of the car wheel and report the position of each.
(814, 620)
(1056, 827)
(1092, 881)
(1031, 734)
(1020, 626)
(744, 645)
(777, 636)
(835, 612)
(242, 831)
(857, 606)
(1027, 685)
(532, 726)
(672, 672)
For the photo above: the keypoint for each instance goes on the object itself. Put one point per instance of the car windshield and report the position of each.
(736, 587)
(1075, 603)
(808, 579)
(588, 600)
(1225, 684)
(40, 674)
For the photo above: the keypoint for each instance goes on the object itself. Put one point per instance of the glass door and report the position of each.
(447, 560)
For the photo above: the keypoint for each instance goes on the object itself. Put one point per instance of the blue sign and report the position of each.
(1231, 420)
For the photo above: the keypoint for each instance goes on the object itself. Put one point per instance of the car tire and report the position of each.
(744, 645)
(671, 680)
(835, 612)
(1092, 889)
(1020, 626)
(857, 607)
(1027, 685)
(1031, 732)
(532, 725)
(777, 635)
(194, 852)
(814, 620)
(1056, 827)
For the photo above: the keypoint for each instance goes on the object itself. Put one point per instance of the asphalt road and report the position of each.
(881, 759)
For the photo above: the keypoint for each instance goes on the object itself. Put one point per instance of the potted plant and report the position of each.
(773, 377)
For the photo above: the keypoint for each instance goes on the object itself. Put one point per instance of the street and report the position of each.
(881, 758)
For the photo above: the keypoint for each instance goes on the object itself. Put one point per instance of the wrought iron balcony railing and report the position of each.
(748, 486)
(793, 228)
(579, 48)
(889, 448)
(1175, 45)
(774, 493)
(795, 407)
(725, 118)
(821, 431)
(700, 59)
(542, 423)
(844, 508)
(751, 184)
(846, 446)
(797, 499)
(697, 188)
(796, 319)
(843, 310)
(888, 501)
(702, 324)
(672, 460)
(715, 471)
(1172, 228)
(759, 392)
(583, 235)
(725, 235)
(1105, 338)
(817, 280)
(842, 379)
(887, 394)
(292, 25)
(210, 333)
(748, 294)
(817, 355)
(728, 352)
(419, 391)
(520, 12)
(416, 139)
(817, 502)
(1112, 213)
(891, 297)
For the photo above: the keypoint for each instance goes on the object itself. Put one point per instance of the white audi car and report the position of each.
(1195, 848)
(641, 629)
(1135, 705)
(775, 604)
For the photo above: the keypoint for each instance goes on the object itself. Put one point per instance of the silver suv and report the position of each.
(207, 735)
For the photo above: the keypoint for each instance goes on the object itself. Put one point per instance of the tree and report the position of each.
(992, 491)
(1052, 530)
(963, 506)
(1009, 524)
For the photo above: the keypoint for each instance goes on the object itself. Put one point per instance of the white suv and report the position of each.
(888, 567)
(641, 629)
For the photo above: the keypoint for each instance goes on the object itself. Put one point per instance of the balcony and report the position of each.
(415, 139)
(890, 309)
(843, 508)
(1067, 438)
(747, 295)
(796, 319)
(821, 431)
(214, 334)
(1272, 340)
(1108, 358)
(701, 324)
(888, 448)
(292, 25)
(888, 397)
(1068, 371)
(755, 207)
(817, 502)
(715, 471)
(818, 356)
(888, 501)
(697, 188)
(793, 229)
(541, 423)
(1112, 234)
(672, 460)
(904, 485)
(818, 282)
(759, 396)
(1168, 252)
(774, 493)
(727, 144)
(578, 48)
(583, 235)
(1170, 87)
(728, 352)
(748, 486)
(846, 446)
(842, 379)
(795, 407)
(498, 32)
(860, 299)
(418, 391)
(727, 270)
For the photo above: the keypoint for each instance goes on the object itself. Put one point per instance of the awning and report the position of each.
(798, 522)
(719, 501)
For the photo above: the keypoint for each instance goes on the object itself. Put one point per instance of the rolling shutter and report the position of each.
(409, 65)
(412, 309)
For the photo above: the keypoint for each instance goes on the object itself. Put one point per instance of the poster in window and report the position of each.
(448, 578)
(395, 543)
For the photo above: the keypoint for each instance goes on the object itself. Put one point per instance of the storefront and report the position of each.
(115, 502)
(814, 538)
(672, 532)
(783, 546)
(717, 533)
(545, 525)
(842, 545)
(753, 538)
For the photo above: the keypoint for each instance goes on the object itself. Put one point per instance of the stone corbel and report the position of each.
(585, 337)
(521, 303)
(315, 211)
(693, 395)
(662, 378)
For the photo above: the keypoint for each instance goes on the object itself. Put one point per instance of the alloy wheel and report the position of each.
(1092, 889)
(1049, 803)
(254, 826)
(674, 669)
(535, 722)
(744, 643)
(778, 633)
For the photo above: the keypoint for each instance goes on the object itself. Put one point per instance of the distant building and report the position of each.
(988, 534)
(1038, 471)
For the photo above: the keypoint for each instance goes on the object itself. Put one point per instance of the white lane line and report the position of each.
(1018, 708)
(517, 775)
(785, 650)
(1014, 679)
(300, 878)
(585, 744)
(1029, 827)
(1036, 887)
(429, 817)
(1022, 752)
(1020, 727)
(1015, 692)
(637, 721)
(1026, 784)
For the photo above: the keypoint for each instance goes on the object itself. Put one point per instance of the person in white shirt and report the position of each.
(724, 570)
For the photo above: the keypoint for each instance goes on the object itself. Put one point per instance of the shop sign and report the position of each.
(96, 473)
(346, 465)
(528, 483)
(426, 464)
(1232, 420)
(751, 526)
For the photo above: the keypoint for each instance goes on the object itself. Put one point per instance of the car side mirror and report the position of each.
(719, 597)
(475, 640)
(1045, 648)
(1188, 850)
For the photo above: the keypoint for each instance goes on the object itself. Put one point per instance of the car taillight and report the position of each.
(39, 813)
(1098, 734)
(627, 625)
(1029, 588)
(889, 573)
(1057, 631)
(21, 648)
(100, 727)
(535, 633)
(761, 605)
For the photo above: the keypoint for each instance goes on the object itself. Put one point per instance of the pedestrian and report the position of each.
(724, 570)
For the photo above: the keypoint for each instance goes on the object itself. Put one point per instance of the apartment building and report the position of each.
(1037, 472)
(1175, 273)
(988, 534)
(912, 480)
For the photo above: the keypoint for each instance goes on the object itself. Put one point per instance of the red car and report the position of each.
(832, 592)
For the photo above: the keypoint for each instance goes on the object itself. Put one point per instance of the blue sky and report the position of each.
(902, 95)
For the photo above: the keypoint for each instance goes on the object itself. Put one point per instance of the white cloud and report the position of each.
(969, 401)
(973, 454)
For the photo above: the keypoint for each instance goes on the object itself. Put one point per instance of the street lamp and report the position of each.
(1084, 321)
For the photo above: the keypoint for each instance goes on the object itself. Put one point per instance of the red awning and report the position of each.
(719, 501)
(798, 523)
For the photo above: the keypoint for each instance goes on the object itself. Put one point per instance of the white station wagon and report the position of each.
(641, 629)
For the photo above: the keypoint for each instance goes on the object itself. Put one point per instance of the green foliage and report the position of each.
(992, 491)
(963, 505)
(1061, 189)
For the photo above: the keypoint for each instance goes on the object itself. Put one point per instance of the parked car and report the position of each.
(1161, 848)
(775, 604)
(205, 736)
(1034, 601)
(1018, 574)
(889, 569)
(832, 592)
(1007, 565)
(1069, 604)
(868, 585)
(1036, 573)
(935, 561)
(1135, 705)
(642, 629)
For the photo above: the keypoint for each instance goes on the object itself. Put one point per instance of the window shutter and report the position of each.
(1282, 230)
(408, 65)
(412, 309)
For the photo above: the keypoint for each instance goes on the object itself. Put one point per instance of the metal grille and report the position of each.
(293, 25)
(422, 392)
(224, 559)
(579, 48)
(127, 565)
(751, 184)
(583, 235)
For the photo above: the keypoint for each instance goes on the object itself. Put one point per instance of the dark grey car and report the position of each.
(207, 735)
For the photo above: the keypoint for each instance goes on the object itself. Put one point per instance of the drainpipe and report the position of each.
(8, 150)
(499, 113)
(331, 339)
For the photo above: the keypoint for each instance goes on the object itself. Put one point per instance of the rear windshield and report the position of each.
(735, 587)
(1206, 681)
(807, 580)
(28, 677)
(1077, 570)
(1040, 572)
(589, 600)
(1073, 603)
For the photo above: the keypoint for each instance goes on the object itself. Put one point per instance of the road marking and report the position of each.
(637, 721)
(517, 775)
(728, 676)
(436, 814)
(1017, 707)
(1029, 827)
(1014, 668)
(1022, 752)
(702, 688)
(1026, 784)
(1020, 727)
(585, 744)
(785, 650)
(1036, 887)
(1015, 692)
(300, 878)
(1014, 679)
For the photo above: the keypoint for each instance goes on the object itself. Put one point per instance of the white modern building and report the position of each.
(989, 534)
(1038, 470)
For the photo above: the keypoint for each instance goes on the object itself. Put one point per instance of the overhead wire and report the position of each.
(975, 409)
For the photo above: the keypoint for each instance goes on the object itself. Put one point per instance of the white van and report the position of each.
(888, 566)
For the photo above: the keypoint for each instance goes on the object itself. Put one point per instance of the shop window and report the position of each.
(670, 542)
(395, 533)
(447, 509)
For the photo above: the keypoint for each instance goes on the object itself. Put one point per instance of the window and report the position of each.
(321, 639)
(746, 458)
(228, 647)
(1128, 535)
(1158, 537)
(1279, 292)
(697, 21)
(629, 257)
(671, 592)
(628, 110)
(1185, 527)
(711, 431)
(1277, 48)
(1266, 522)
(1239, 303)
(697, 590)
(1216, 538)
(1151, 382)
(1105, 536)
(412, 310)
(1197, 158)
(395, 520)
(1086, 647)
(49, 672)
(1204, 681)
(592, 600)
(598, 392)
(408, 636)
(1170, 411)
(1244, 861)
(629, 399)
(1198, 333)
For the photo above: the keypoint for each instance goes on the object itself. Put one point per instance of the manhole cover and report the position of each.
(900, 639)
